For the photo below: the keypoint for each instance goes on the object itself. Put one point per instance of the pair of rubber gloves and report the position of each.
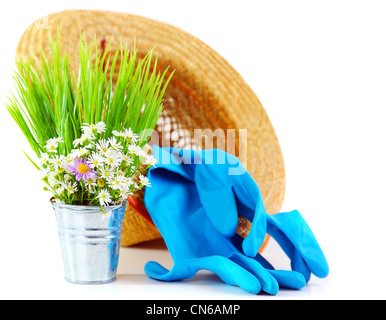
(195, 200)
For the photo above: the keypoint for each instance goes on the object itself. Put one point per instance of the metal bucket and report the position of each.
(90, 241)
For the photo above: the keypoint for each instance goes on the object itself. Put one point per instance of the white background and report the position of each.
(319, 68)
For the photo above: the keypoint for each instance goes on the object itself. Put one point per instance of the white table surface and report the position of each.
(132, 283)
(42, 278)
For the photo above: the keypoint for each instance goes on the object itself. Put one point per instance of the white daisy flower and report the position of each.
(113, 158)
(58, 140)
(60, 190)
(144, 181)
(100, 127)
(87, 128)
(104, 197)
(57, 162)
(150, 160)
(103, 146)
(116, 183)
(140, 152)
(115, 144)
(106, 173)
(129, 134)
(91, 182)
(127, 159)
(78, 142)
(135, 150)
(78, 153)
(117, 133)
(69, 160)
(86, 137)
(44, 159)
(51, 178)
(71, 187)
(131, 149)
(129, 182)
(96, 160)
(124, 194)
(51, 146)
(126, 184)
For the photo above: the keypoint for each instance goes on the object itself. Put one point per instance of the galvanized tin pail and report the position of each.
(90, 241)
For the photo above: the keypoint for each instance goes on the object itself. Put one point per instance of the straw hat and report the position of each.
(205, 93)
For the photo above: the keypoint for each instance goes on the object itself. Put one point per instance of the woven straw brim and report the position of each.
(205, 93)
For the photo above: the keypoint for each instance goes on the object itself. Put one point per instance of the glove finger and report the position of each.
(255, 238)
(251, 206)
(267, 281)
(298, 242)
(289, 279)
(224, 196)
(237, 241)
(285, 279)
(297, 262)
(216, 196)
(155, 271)
(228, 271)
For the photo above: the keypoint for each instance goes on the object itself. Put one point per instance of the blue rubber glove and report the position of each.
(240, 195)
(196, 211)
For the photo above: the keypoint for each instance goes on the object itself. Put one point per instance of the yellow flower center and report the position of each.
(101, 183)
(83, 169)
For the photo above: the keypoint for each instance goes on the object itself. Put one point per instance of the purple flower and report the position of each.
(81, 169)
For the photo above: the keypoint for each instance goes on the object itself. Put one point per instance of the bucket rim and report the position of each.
(85, 208)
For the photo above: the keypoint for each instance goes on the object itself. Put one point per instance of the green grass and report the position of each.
(51, 101)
